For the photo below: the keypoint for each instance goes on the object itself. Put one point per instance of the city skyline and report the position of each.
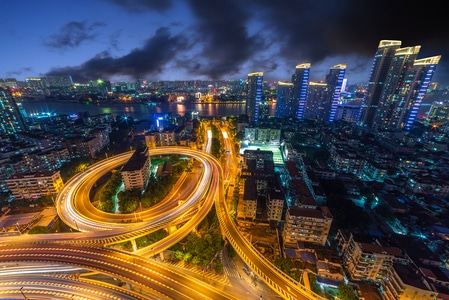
(204, 40)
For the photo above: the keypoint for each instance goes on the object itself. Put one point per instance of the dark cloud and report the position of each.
(18, 72)
(150, 59)
(231, 38)
(140, 6)
(312, 31)
(114, 40)
(222, 32)
(72, 34)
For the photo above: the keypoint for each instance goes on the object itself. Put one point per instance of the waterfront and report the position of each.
(138, 111)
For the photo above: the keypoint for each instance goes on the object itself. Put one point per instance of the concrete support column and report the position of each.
(133, 242)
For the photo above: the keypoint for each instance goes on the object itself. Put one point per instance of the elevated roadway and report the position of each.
(149, 275)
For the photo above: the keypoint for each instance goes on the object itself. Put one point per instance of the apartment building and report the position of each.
(275, 205)
(249, 200)
(404, 282)
(136, 171)
(306, 225)
(160, 138)
(35, 185)
(367, 260)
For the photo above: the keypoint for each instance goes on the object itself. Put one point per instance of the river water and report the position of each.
(137, 111)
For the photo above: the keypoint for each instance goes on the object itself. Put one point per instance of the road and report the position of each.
(86, 249)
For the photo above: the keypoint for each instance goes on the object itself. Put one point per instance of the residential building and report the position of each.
(402, 61)
(404, 282)
(346, 161)
(275, 205)
(160, 138)
(35, 185)
(249, 200)
(367, 261)
(300, 80)
(83, 146)
(426, 183)
(136, 171)
(378, 75)
(283, 99)
(397, 86)
(306, 225)
(263, 135)
(11, 120)
(334, 80)
(317, 94)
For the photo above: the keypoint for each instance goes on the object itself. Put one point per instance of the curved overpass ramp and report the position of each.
(208, 191)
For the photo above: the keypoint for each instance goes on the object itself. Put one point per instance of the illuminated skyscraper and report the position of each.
(292, 97)
(379, 71)
(11, 121)
(334, 81)
(283, 99)
(412, 92)
(300, 82)
(402, 61)
(397, 85)
(254, 95)
(317, 96)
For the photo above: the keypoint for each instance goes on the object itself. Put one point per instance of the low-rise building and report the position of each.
(403, 282)
(35, 185)
(366, 261)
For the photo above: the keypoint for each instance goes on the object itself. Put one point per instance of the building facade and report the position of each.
(283, 99)
(35, 185)
(306, 225)
(300, 80)
(378, 74)
(334, 80)
(136, 171)
(11, 120)
(397, 85)
(254, 95)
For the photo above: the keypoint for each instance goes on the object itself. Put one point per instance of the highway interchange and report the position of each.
(89, 249)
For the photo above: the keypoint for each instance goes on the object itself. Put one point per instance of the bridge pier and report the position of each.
(133, 243)
(171, 229)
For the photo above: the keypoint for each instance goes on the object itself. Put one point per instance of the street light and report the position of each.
(18, 228)
(23, 293)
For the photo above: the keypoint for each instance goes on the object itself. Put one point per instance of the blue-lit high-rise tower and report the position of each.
(334, 80)
(254, 95)
(398, 83)
(413, 89)
(401, 63)
(283, 99)
(317, 96)
(379, 72)
(300, 80)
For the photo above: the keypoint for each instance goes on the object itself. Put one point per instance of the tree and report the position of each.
(109, 191)
(346, 292)
(129, 200)
(38, 230)
(179, 254)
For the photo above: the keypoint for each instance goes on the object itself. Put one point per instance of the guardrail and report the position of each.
(291, 284)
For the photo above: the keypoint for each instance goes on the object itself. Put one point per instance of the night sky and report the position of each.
(212, 39)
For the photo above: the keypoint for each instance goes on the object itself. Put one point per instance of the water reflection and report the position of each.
(138, 111)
